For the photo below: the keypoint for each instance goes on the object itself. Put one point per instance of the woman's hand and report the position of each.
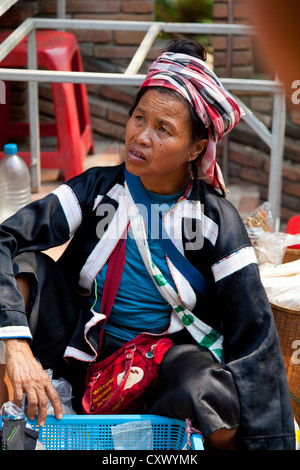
(27, 376)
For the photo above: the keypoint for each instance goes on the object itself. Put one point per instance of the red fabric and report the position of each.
(112, 280)
(105, 393)
(293, 228)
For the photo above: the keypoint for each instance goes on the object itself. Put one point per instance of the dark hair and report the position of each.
(187, 46)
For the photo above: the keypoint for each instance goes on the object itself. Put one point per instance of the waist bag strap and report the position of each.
(195, 278)
(113, 276)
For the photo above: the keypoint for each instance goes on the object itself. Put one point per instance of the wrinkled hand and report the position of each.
(27, 376)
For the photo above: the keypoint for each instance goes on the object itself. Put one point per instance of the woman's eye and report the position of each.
(163, 129)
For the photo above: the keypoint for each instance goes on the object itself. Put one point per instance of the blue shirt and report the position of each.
(139, 306)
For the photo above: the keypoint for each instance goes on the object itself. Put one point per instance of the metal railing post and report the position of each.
(276, 159)
(61, 8)
(144, 47)
(34, 126)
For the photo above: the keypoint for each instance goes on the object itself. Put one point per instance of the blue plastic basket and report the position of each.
(80, 432)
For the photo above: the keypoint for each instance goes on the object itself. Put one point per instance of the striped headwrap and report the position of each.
(217, 109)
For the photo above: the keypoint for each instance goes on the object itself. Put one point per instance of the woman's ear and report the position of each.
(197, 148)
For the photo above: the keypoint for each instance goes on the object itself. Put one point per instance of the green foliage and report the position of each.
(184, 11)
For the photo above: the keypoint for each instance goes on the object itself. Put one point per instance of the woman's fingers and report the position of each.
(38, 393)
(37, 401)
(55, 401)
(28, 377)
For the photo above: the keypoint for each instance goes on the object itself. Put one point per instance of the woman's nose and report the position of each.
(143, 137)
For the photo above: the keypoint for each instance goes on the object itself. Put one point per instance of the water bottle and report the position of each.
(14, 182)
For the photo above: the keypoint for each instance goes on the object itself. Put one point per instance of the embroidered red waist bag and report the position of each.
(119, 383)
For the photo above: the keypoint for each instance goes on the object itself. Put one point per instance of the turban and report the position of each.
(217, 109)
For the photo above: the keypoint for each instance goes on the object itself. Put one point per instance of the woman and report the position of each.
(225, 371)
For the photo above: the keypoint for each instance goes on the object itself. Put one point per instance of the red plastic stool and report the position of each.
(293, 228)
(56, 50)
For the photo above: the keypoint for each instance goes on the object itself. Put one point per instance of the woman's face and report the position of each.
(158, 144)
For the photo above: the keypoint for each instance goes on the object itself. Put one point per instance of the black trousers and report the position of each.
(191, 383)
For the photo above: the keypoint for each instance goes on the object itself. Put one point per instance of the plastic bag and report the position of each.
(134, 435)
(269, 246)
(12, 410)
(260, 219)
(281, 283)
(64, 390)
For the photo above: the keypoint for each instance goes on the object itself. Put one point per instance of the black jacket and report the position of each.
(236, 306)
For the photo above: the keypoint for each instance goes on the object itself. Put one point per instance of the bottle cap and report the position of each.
(10, 149)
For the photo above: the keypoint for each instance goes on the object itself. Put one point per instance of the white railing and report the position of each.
(274, 138)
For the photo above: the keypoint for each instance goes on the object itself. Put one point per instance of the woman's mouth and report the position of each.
(135, 154)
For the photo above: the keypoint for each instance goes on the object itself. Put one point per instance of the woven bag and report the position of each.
(291, 254)
(287, 322)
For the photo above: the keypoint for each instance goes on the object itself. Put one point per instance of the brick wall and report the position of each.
(107, 51)
(242, 47)
(101, 51)
(249, 157)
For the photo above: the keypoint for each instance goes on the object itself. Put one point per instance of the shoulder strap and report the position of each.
(195, 278)
(113, 276)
